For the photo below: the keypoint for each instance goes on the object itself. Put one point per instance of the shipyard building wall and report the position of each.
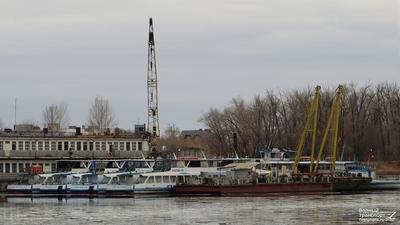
(18, 151)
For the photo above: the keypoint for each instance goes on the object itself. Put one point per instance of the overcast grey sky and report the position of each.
(207, 51)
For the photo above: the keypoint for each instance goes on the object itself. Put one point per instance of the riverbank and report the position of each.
(386, 168)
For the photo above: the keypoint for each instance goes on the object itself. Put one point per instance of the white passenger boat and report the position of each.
(163, 182)
(117, 183)
(82, 184)
(51, 183)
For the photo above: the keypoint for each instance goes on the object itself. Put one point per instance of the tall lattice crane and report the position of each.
(332, 129)
(309, 128)
(153, 126)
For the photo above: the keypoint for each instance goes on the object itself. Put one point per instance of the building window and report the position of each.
(72, 145)
(14, 168)
(115, 146)
(84, 146)
(134, 146)
(78, 145)
(66, 147)
(103, 146)
(53, 167)
(1, 145)
(7, 168)
(27, 165)
(27, 145)
(14, 145)
(140, 146)
(128, 146)
(33, 145)
(46, 146)
(59, 145)
(20, 145)
(121, 146)
(97, 146)
(40, 145)
(53, 146)
(20, 167)
(91, 146)
(1, 168)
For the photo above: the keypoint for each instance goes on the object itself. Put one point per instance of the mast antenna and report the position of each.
(153, 126)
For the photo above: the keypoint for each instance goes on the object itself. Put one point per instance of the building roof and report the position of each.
(193, 133)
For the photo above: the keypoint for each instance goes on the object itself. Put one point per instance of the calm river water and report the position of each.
(288, 209)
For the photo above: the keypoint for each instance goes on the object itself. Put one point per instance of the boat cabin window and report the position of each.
(181, 179)
(158, 179)
(141, 180)
(150, 180)
(194, 163)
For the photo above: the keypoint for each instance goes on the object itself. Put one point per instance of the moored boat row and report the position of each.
(251, 177)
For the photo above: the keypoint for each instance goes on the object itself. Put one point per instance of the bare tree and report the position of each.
(170, 139)
(56, 114)
(101, 115)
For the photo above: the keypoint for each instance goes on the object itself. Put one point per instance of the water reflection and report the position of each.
(299, 209)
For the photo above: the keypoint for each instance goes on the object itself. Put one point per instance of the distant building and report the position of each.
(194, 134)
(19, 149)
(278, 154)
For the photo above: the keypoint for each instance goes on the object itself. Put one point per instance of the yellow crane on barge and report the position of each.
(331, 131)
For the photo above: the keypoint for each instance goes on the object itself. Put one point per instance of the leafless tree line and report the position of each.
(370, 120)
(100, 115)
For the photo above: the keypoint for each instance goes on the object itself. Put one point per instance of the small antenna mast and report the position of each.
(15, 113)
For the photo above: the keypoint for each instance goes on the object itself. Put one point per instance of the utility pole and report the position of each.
(152, 95)
(15, 114)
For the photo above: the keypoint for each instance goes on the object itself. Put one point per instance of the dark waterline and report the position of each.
(272, 209)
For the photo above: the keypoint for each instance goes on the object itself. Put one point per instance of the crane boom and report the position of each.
(310, 127)
(332, 129)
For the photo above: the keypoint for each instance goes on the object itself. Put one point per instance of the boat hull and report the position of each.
(153, 189)
(384, 185)
(252, 188)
